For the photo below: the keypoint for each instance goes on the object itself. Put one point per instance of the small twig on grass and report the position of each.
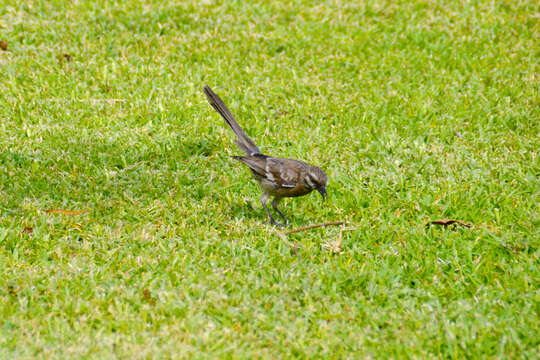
(335, 223)
(447, 222)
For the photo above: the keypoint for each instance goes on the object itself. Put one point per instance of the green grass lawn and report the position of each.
(417, 110)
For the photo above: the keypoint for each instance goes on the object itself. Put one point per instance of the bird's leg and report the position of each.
(264, 199)
(275, 203)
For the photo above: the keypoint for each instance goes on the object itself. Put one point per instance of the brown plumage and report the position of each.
(277, 177)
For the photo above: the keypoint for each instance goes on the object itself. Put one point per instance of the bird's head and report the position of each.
(316, 180)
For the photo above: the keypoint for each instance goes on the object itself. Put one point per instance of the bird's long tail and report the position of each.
(243, 141)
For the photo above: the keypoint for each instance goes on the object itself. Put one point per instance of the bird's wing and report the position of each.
(285, 172)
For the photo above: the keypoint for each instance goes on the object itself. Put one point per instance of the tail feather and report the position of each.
(243, 141)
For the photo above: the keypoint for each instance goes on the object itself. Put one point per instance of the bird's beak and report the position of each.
(322, 190)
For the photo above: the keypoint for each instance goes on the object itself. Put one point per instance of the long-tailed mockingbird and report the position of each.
(277, 177)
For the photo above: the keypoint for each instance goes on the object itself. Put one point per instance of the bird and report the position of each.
(278, 178)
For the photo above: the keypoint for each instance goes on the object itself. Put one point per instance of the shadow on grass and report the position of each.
(64, 169)
(255, 214)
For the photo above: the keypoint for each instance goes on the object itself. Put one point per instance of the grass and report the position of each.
(417, 110)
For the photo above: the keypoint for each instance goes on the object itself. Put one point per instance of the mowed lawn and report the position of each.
(157, 245)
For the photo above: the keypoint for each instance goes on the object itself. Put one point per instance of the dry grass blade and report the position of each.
(303, 228)
(147, 296)
(283, 237)
(337, 246)
(28, 230)
(65, 57)
(65, 212)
